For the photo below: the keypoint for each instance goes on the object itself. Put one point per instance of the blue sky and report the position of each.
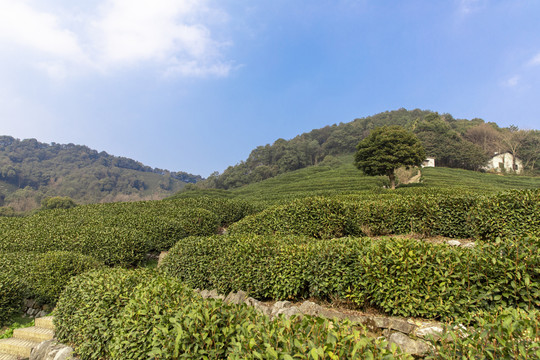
(194, 85)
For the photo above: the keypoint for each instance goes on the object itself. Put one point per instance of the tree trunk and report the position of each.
(392, 177)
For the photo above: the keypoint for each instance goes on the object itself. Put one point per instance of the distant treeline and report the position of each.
(456, 143)
(31, 170)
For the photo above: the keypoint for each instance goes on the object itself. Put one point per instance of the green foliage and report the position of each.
(7, 333)
(426, 213)
(119, 233)
(50, 272)
(13, 283)
(399, 276)
(515, 213)
(505, 334)
(165, 320)
(11, 296)
(57, 202)
(386, 149)
(123, 314)
(317, 217)
(309, 338)
(228, 211)
(147, 318)
(45, 171)
(86, 312)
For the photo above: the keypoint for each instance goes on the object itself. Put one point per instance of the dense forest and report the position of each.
(31, 171)
(455, 143)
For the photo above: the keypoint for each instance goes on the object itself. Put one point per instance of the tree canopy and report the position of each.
(386, 149)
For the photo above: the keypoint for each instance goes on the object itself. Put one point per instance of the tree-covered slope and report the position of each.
(456, 143)
(30, 171)
(341, 177)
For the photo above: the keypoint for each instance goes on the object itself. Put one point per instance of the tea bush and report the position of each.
(399, 276)
(505, 334)
(228, 211)
(165, 320)
(49, 273)
(118, 234)
(513, 213)
(13, 283)
(89, 304)
(316, 217)
(11, 297)
(148, 314)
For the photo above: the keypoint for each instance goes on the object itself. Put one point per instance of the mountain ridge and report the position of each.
(31, 171)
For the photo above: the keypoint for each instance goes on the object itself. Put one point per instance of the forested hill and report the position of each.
(31, 171)
(456, 143)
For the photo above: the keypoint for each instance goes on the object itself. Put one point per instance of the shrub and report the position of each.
(165, 320)
(512, 213)
(11, 297)
(50, 272)
(400, 276)
(427, 214)
(505, 334)
(322, 218)
(147, 314)
(228, 211)
(89, 304)
(309, 338)
(13, 283)
(57, 202)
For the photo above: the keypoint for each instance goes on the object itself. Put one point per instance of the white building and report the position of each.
(429, 162)
(504, 162)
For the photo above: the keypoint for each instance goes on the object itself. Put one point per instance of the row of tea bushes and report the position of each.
(40, 276)
(119, 233)
(513, 213)
(502, 334)
(399, 276)
(126, 314)
(451, 214)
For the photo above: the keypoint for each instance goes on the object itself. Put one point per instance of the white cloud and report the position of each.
(535, 60)
(23, 26)
(171, 35)
(512, 82)
(466, 7)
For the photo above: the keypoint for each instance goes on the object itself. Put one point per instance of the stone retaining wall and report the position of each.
(32, 309)
(410, 335)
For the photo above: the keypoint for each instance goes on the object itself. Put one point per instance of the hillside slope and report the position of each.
(343, 178)
(30, 171)
(455, 143)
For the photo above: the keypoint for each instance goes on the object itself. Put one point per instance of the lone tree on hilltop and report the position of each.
(386, 149)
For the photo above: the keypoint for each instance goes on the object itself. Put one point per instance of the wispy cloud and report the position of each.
(512, 82)
(169, 34)
(535, 60)
(466, 7)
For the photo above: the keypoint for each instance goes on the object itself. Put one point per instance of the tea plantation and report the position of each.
(325, 234)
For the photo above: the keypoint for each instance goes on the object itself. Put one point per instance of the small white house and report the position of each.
(504, 162)
(429, 162)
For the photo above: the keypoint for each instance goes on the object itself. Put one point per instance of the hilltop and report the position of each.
(31, 170)
(455, 143)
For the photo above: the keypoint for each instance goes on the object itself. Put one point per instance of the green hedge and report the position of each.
(163, 319)
(39, 276)
(515, 213)
(118, 234)
(13, 283)
(505, 334)
(458, 214)
(49, 273)
(89, 305)
(11, 297)
(228, 211)
(317, 217)
(399, 276)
